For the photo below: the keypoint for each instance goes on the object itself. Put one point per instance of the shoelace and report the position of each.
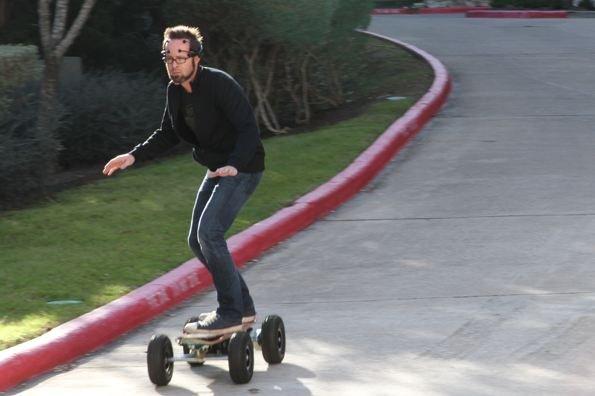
(209, 314)
(209, 320)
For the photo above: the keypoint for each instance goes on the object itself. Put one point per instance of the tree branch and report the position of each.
(60, 16)
(77, 25)
(43, 9)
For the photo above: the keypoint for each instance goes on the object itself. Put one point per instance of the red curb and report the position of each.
(515, 14)
(435, 10)
(102, 325)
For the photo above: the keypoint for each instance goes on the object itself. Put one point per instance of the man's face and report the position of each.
(178, 49)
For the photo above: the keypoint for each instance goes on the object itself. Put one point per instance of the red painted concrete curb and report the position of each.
(435, 10)
(515, 14)
(94, 329)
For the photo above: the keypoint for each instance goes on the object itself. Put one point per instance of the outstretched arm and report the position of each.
(159, 142)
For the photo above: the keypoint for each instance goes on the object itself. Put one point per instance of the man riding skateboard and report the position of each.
(207, 108)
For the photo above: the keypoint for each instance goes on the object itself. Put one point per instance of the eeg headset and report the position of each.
(196, 48)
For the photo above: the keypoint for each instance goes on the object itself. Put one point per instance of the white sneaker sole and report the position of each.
(190, 329)
(245, 319)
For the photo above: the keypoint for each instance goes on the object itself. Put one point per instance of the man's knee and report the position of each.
(193, 243)
(209, 237)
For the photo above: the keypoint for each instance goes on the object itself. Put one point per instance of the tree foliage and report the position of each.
(292, 56)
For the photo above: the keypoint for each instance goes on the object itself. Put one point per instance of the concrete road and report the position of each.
(466, 268)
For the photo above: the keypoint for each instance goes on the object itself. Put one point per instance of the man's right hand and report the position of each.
(122, 161)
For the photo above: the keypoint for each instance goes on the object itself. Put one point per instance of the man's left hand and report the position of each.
(226, 171)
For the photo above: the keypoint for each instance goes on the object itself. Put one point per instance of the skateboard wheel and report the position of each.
(272, 339)
(241, 357)
(158, 353)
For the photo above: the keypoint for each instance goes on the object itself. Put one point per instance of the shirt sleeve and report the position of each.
(160, 141)
(236, 107)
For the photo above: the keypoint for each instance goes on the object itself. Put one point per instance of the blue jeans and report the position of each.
(218, 201)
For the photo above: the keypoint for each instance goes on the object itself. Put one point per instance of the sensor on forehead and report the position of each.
(195, 48)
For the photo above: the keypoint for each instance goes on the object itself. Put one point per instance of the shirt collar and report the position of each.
(197, 77)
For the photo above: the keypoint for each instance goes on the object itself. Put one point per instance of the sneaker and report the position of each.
(249, 315)
(205, 315)
(214, 325)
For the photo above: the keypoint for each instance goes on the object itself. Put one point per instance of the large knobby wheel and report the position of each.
(240, 356)
(158, 355)
(272, 339)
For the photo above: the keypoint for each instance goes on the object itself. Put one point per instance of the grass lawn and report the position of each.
(96, 242)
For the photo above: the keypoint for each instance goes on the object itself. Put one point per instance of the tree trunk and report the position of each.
(263, 107)
(305, 89)
(292, 89)
(47, 145)
(55, 41)
(270, 70)
(335, 90)
(339, 97)
(48, 117)
(49, 90)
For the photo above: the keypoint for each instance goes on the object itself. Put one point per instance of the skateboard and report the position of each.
(238, 346)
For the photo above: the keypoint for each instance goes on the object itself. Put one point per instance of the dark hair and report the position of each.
(183, 32)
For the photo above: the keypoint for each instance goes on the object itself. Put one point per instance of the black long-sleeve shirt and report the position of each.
(225, 130)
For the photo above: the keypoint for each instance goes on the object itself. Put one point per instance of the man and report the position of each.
(208, 108)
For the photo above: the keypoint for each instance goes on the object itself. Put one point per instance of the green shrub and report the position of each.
(293, 40)
(291, 68)
(108, 113)
(24, 151)
(19, 64)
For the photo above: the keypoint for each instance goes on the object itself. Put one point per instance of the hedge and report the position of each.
(19, 64)
(23, 151)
